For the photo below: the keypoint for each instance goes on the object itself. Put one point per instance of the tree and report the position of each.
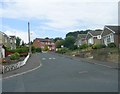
(23, 44)
(69, 42)
(18, 41)
(59, 43)
(57, 38)
(46, 48)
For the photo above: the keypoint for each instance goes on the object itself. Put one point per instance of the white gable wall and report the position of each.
(108, 39)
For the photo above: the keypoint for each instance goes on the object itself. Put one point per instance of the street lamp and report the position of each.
(29, 38)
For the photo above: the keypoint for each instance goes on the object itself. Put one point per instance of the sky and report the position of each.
(55, 18)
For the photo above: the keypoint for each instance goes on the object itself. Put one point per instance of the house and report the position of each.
(94, 37)
(12, 42)
(111, 34)
(41, 43)
(4, 39)
(8, 41)
(2, 51)
(81, 39)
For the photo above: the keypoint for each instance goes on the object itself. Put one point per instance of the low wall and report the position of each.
(6, 68)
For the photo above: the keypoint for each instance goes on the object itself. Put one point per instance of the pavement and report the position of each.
(33, 62)
(61, 73)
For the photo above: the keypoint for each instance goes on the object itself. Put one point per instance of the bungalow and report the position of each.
(111, 34)
(94, 37)
(81, 39)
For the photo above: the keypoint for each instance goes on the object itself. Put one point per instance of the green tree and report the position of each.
(18, 41)
(23, 44)
(59, 43)
(46, 48)
(57, 38)
(69, 42)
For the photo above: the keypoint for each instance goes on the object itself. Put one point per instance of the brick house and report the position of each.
(94, 37)
(41, 43)
(111, 34)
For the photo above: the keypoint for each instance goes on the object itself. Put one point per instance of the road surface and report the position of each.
(59, 73)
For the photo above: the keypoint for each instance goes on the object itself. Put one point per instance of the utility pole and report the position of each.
(29, 37)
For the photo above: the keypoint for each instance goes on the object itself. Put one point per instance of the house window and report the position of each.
(108, 39)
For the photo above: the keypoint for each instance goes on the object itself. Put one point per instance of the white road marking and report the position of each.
(53, 58)
(83, 72)
(23, 72)
(103, 65)
(50, 58)
(43, 58)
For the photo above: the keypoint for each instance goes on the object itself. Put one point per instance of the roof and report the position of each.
(111, 29)
(81, 36)
(95, 33)
(44, 40)
(116, 29)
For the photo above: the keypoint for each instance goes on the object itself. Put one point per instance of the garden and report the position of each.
(16, 55)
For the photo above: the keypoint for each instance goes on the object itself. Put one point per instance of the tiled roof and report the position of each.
(95, 33)
(116, 29)
(81, 36)
(111, 29)
(44, 40)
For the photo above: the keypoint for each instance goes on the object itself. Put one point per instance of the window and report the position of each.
(108, 39)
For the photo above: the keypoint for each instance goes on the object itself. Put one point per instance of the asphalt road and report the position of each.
(63, 74)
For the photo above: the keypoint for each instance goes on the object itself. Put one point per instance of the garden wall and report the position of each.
(6, 68)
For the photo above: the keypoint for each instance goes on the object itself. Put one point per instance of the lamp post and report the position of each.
(29, 38)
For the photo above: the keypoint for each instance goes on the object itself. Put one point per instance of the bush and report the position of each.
(19, 50)
(46, 48)
(83, 46)
(111, 45)
(15, 56)
(98, 46)
(38, 50)
(62, 50)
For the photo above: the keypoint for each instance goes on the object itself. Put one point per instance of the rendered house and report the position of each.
(41, 43)
(2, 51)
(94, 37)
(111, 34)
(12, 42)
(81, 39)
(8, 41)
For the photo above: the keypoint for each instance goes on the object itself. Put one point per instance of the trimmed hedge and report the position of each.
(19, 50)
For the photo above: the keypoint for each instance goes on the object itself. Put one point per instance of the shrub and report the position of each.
(62, 50)
(38, 50)
(15, 56)
(19, 50)
(4, 61)
(46, 48)
(83, 46)
(98, 46)
(111, 45)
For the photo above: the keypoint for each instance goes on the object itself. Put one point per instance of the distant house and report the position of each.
(111, 34)
(94, 37)
(81, 39)
(41, 43)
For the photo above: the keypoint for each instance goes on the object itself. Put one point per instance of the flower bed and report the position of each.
(13, 58)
